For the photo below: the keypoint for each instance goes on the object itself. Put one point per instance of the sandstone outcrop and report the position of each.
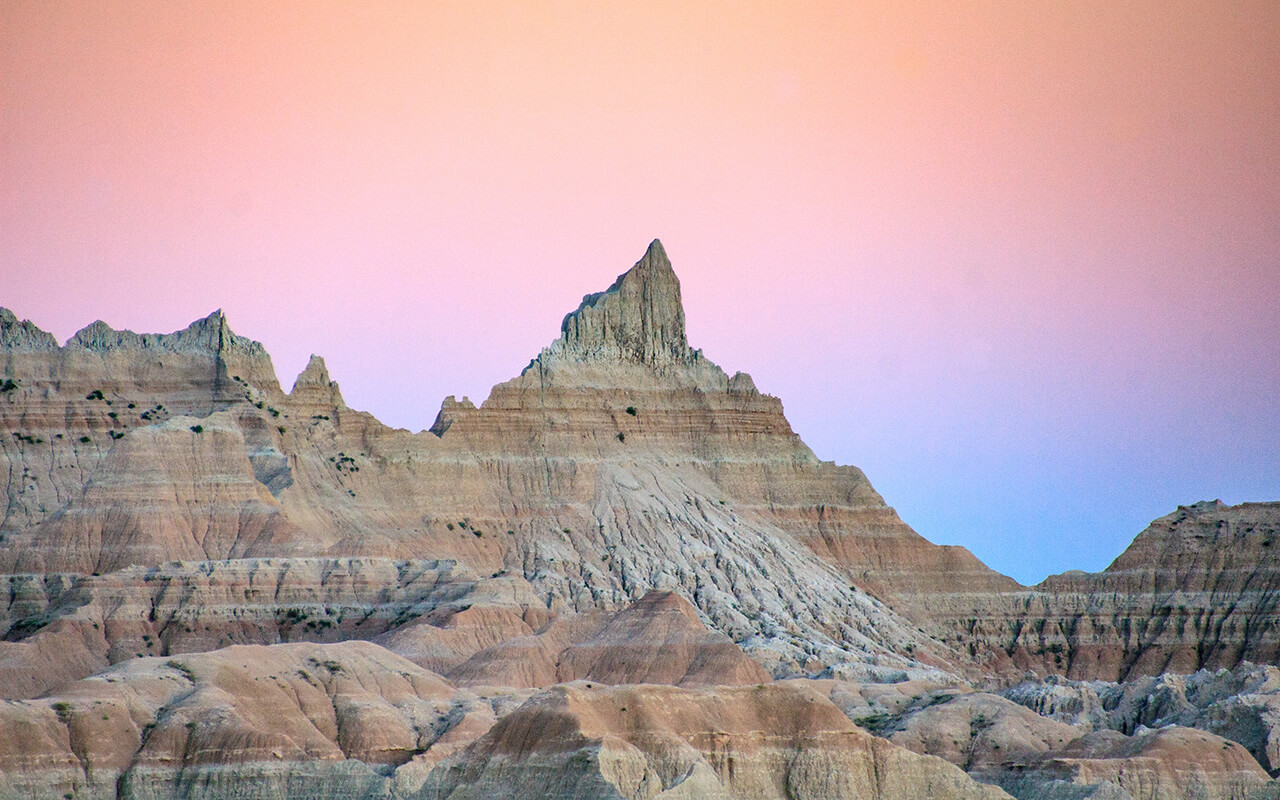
(780, 740)
(289, 721)
(1198, 589)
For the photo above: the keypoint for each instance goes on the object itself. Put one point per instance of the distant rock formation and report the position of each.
(1197, 589)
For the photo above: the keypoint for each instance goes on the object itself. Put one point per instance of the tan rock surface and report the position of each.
(659, 639)
(780, 740)
(1168, 764)
(619, 462)
(1197, 589)
(289, 716)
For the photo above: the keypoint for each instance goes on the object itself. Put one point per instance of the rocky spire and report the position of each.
(638, 318)
(314, 386)
(24, 335)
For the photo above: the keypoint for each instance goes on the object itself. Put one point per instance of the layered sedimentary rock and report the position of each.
(1197, 589)
(289, 721)
(621, 461)
(67, 628)
(622, 512)
(780, 740)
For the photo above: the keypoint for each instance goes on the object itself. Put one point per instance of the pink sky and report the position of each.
(1018, 261)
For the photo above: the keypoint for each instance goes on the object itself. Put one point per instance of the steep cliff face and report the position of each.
(64, 408)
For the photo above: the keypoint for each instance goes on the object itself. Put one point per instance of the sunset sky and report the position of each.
(1019, 261)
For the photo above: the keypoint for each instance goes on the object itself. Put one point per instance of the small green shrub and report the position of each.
(85, 440)
(631, 410)
(7, 386)
(197, 429)
(96, 394)
(63, 710)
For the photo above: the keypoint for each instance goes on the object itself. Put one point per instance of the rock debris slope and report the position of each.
(585, 586)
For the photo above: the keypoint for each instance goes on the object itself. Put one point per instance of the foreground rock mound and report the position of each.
(1168, 764)
(288, 721)
(780, 740)
(659, 639)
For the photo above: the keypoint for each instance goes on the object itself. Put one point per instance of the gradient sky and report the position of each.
(1018, 261)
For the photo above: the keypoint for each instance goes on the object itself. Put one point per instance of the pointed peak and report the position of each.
(18, 334)
(215, 321)
(655, 255)
(315, 373)
(638, 318)
(97, 335)
(313, 385)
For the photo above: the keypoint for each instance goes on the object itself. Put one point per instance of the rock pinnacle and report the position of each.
(638, 318)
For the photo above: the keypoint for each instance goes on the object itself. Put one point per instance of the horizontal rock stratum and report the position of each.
(189, 549)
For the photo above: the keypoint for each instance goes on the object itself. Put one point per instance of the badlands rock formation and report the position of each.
(1198, 589)
(215, 585)
(771, 741)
